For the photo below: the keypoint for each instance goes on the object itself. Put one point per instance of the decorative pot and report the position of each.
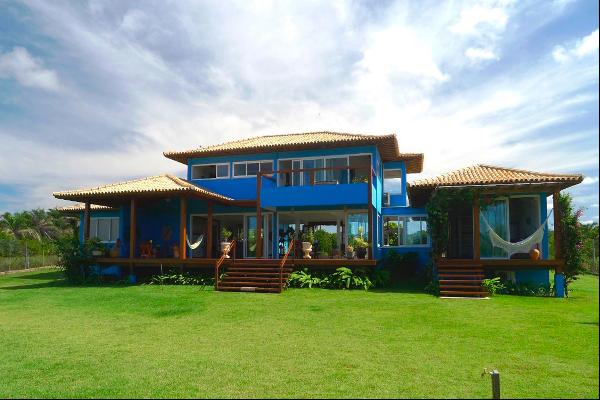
(96, 253)
(361, 252)
(175, 251)
(225, 249)
(349, 255)
(306, 248)
(534, 254)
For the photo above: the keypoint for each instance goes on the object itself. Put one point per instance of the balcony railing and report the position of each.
(320, 176)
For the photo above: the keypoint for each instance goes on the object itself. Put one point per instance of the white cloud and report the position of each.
(480, 54)
(478, 19)
(583, 47)
(589, 180)
(27, 70)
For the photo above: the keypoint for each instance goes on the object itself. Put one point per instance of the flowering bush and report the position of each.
(571, 243)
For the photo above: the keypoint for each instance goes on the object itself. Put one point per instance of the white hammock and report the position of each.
(194, 246)
(519, 247)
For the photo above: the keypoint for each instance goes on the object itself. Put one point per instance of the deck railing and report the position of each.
(319, 176)
(284, 260)
(220, 261)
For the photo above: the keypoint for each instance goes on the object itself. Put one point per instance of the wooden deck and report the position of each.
(503, 264)
(210, 262)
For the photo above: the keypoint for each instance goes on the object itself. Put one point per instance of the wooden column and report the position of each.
(476, 229)
(132, 228)
(209, 230)
(183, 227)
(370, 214)
(86, 222)
(258, 217)
(557, 226)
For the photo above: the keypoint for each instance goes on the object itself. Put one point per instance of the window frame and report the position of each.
(259, 162)
(405, 230)
(385, 190)
(324, 158)
(216, 171)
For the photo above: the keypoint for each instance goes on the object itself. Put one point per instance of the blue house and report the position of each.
(262, 206)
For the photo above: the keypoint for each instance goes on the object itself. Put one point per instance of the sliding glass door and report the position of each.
(496, 215)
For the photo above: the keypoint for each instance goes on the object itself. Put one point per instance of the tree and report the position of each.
(42, 224)
(571, 243)
(17, 225)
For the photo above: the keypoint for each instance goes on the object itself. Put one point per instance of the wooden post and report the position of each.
(183, 227)
(258, 216)
(86, 222)
(370, 214)
(132, 228)
(557, 226)
(209, 224)
(495, 384)
(476, 229)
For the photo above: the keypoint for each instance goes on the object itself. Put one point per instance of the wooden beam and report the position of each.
(557, 226)
(209, 230)
(258, 217)
(86, 221)
(476, 229)
(183, 227)
(132, 228)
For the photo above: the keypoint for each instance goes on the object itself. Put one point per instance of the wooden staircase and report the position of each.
(460, 278)
(253, 275)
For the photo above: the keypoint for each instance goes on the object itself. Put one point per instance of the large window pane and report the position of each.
(222, 171)
(392, 180)
(266, 167)
(337, 175)
(204, 172)
(360, 168)
(358, 226)
(390, 231)
(252, 168)
(496, 215)
(114, 229)
(306, 175)
(239, 169)
(285, 178)
(104, 229)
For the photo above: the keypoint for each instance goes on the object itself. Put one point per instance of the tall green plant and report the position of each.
(571, 243)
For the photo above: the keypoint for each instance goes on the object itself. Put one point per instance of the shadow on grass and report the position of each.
(56, 279)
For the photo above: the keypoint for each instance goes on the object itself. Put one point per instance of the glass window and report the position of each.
(360, 167)
(496, 214)
(266, 167)
(390, 231)
(307, 175)
(285, 178)
(405, 231)
(392, 180)
(358, 227)
(211, 171)
(336, 175)
(239, 169)
(252, 168)
(222, 170)
(105, 229)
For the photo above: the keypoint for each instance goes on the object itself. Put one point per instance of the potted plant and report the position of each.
(98, 248)
(349, 252)
(361, 247)
(225, 235)
(307, 241)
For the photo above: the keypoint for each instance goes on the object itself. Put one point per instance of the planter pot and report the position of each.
(97, 253)
(306, 248)
(361, 252)
(350, 255)
(175, 251)
(534, 254)
(225, 249)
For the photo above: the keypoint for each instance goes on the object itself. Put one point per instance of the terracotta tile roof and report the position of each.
(491, 175)
(154, 184)
(387, 144)
(81, 207)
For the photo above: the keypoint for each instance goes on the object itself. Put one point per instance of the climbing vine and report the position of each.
(437, 215)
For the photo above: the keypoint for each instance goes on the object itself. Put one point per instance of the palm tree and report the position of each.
(18, 226)
(42, 224)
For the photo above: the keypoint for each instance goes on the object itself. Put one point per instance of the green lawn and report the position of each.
(179, 341)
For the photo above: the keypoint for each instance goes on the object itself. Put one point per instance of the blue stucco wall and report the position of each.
(534, 277)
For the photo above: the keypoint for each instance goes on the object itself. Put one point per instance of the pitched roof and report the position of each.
(162, 184)
(491, 175)
(81, 207)
(387, 144)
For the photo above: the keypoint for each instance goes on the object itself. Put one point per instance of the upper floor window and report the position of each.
(325, 170)
(252, 168)
(210, 171)
(405, 231)
(392, 180)
(105, 228)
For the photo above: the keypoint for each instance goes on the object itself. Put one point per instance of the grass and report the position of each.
(178, 341)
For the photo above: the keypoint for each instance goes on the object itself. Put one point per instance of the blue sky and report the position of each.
(93, 92)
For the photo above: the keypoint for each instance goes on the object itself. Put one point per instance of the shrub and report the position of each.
(493, 285)
(342, 278)
(74, 257)
(326, 240)
(173, 277)
(526, 289)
